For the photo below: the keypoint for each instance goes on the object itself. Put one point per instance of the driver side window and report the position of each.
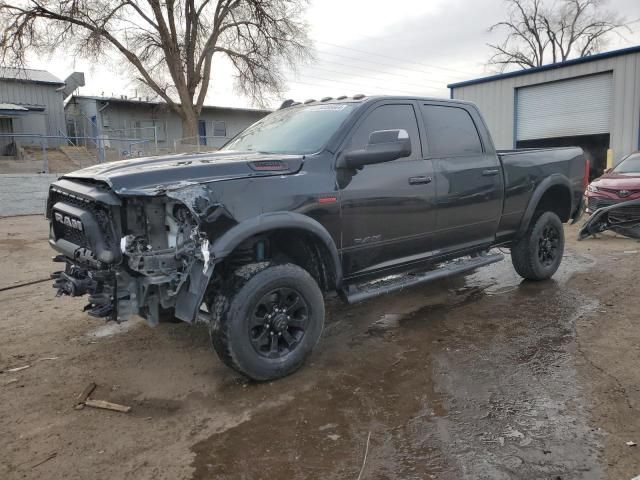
(389, 117)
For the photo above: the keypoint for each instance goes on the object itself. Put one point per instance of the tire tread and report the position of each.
(234, 294)
(523, 255)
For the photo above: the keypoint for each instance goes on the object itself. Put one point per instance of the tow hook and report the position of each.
(68, 285)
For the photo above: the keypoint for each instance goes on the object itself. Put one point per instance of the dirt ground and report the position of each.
(478, 377)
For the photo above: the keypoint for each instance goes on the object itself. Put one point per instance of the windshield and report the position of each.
(631, 164)
(297, 130)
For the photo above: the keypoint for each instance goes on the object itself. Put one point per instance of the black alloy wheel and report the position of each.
(279, 322)
(548, 245)
(537, 254)
(267, 320)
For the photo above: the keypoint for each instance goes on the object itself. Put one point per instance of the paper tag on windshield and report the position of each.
(332, 107)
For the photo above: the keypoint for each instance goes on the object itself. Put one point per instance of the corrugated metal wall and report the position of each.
(496, 99)
(48, 122)
(576, 106)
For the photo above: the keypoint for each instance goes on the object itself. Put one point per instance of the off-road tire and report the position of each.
(525, 253)
(233, 308)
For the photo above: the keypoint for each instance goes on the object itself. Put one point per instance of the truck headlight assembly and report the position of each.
(592, 189)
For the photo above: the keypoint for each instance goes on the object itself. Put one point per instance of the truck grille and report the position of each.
(100, 212)
(71, 235)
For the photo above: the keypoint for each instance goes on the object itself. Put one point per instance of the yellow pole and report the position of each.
(609, 158)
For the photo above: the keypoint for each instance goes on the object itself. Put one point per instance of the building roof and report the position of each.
(29, 75)
(13, 107)
(140, 101)
(551, 66)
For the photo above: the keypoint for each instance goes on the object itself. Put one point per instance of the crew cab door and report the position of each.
(387, 208)
(468, 177)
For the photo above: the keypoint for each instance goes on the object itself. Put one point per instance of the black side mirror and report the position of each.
(383, 146)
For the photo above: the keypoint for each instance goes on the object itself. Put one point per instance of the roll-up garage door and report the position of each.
(567, 108)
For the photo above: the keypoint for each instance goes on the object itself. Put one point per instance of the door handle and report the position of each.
(490, 172)
(420, 180)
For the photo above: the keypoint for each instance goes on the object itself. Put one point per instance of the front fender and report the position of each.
(233, 237)
(190, 297)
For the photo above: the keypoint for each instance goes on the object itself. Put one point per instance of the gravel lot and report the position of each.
(482, 376)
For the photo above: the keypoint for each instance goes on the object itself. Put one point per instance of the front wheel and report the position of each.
(269, 324)
(537, 255)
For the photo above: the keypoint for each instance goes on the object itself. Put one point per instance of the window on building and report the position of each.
(219, 128)
(450, 131)
(146, 129)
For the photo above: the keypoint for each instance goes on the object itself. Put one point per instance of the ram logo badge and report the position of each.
(371, 239)
(69, 222)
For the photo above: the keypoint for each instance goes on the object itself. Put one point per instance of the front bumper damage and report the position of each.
(108, 295)
(142, 255)
(622, 218)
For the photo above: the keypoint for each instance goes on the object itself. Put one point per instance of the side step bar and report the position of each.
(359, 293)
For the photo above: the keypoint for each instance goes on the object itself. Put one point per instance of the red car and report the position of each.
(619, 184)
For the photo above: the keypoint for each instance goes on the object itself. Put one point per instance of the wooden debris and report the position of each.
(17, 369)
(83, 400)
(84, 395)
(53, 455)
(107, 405)
(364, 460)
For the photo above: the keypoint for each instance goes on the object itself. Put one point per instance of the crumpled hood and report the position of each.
(154, 175)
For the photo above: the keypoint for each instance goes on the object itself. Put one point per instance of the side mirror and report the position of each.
(608, 170)
(383, 146)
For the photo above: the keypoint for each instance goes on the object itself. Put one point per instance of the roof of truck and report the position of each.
(365, 99)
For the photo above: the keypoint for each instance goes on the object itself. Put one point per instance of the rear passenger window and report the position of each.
(450, 131)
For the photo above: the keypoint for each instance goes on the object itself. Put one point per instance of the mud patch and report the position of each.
(468, 385)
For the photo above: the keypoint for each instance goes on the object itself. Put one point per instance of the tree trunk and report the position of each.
(189, 126)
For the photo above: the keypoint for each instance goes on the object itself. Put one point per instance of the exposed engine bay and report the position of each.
(131, 255)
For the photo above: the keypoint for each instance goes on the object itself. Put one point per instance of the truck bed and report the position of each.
(524, 169)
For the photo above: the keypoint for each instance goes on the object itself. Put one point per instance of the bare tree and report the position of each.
(539, 33)
(169, 44)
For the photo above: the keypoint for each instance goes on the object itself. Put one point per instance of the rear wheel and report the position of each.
(538, 254)
(268, 323)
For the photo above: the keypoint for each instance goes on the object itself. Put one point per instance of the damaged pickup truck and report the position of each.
(358, 196)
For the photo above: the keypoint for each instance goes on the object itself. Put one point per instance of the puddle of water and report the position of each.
(475, 380)
(495, 279)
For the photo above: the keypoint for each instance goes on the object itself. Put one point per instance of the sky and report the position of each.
(362, 46)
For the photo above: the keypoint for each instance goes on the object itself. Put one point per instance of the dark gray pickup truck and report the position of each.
(325, 196)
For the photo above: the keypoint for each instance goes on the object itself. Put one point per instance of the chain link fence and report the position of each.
(200, 143)
(24, 153)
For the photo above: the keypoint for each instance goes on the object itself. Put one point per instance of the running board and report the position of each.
(355, 294)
